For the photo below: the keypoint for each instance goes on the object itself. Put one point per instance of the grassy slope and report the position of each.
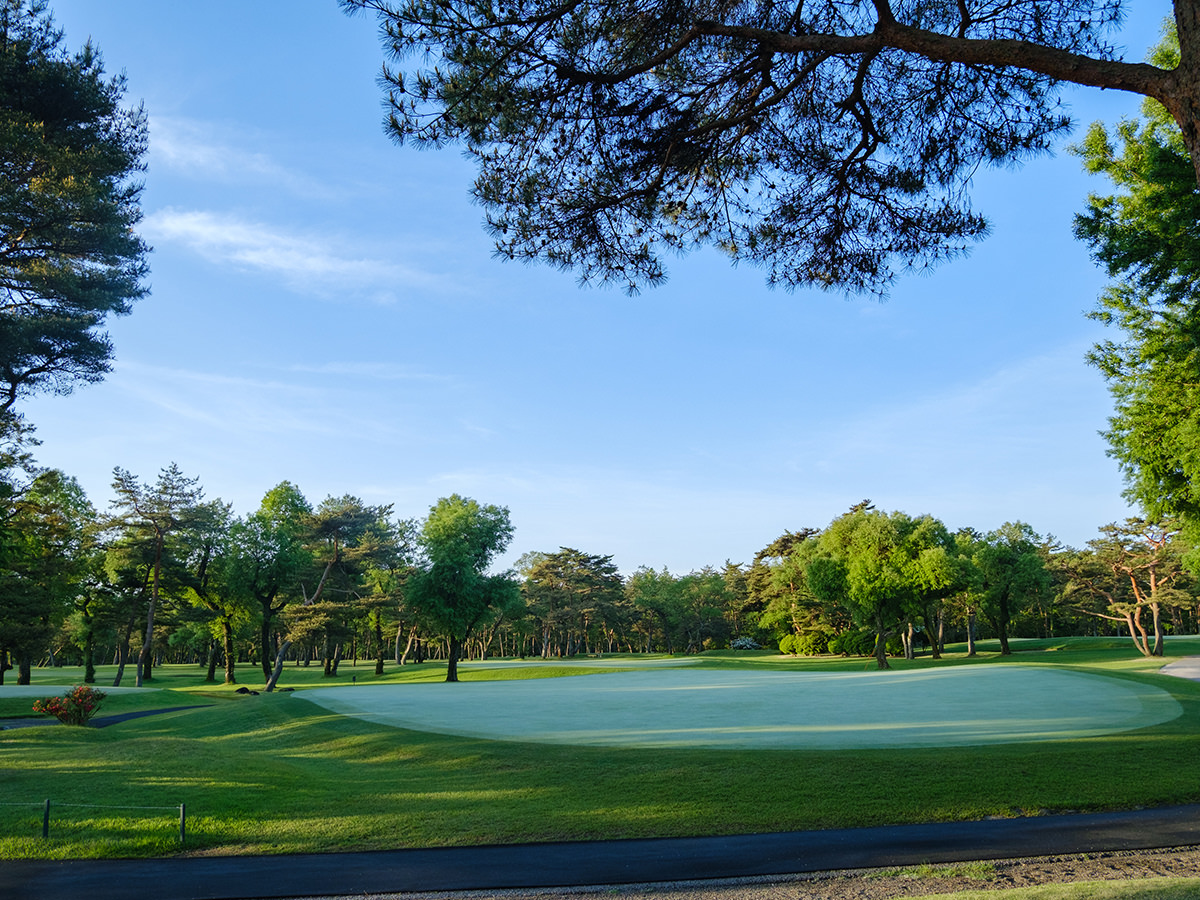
(275, 773)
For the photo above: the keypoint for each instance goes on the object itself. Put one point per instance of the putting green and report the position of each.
(780, 710)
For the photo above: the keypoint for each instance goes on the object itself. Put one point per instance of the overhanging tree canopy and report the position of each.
(829, 141)
(1146, 237)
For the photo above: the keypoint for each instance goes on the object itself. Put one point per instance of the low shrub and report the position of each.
(76, 707)
(787, 644)
(857, 642)
(812, 644)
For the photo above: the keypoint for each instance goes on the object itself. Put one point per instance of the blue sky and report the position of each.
(325, 309)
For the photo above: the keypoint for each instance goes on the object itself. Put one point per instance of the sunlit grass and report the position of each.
(276, 774)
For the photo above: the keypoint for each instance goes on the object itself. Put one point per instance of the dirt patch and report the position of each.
(878, 884)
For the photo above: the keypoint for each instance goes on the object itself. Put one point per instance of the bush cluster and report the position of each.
(76, 707)
(744, 643)
(855, 642)
(813, 643)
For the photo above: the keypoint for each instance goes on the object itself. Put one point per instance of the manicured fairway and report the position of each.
(780, 710)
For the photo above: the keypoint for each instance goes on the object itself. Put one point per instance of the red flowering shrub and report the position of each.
(75, 708)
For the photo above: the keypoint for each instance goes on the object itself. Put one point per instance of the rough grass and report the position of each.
(276, 774)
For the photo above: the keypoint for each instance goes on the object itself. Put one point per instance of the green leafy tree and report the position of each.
(938, 573)
(1132, 569)
(831, 142)
(882, 566)
(69, 201)
(453, 590)
(387, 552)
(267, 559)
(703, 599)
(212, 585)
(778, 579)
(44, 565)
(571, 592)
(1010, 571)
(343, 536)
(1145, 236)
(151, 514)
(657, 597)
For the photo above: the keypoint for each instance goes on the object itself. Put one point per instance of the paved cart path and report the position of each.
(597, 863)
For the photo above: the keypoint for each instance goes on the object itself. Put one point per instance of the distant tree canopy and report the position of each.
(454, 591)
(830, 142)
(69, 201)
(172, 578)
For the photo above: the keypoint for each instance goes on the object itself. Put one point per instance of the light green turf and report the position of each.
(955, 707)
(279, 774)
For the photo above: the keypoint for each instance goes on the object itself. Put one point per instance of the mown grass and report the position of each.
(277, 774)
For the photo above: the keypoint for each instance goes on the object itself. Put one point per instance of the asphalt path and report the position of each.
(97, 722)
(559, 865)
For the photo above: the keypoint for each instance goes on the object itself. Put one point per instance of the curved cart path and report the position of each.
(597, 863)
(1188, 667)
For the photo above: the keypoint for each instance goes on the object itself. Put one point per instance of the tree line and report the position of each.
(166, 576)
(830, 143)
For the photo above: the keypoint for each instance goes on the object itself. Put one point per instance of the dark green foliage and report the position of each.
(814, 643)
(886, 568)
(856, 642)
(68, 204)
(43, 563)
(575, 598)
(453, 592)
(1145, 236)
(829, 142)
(1008, 570)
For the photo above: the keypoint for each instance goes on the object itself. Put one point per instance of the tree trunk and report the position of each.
(145, 658)
(230, 657)
(971, 632)
(408, 647)
(1005, 650)
(24, 669)
(275, 672)
(378, 643)
(89, 652)
(1137, 633)
(452, 659)
(1158, 629)
(881, 660)
(122, 654)
(211, 675)
(264, 637)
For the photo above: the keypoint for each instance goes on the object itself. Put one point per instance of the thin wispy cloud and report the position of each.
(374, 371)
(200, 151)
(224, 403)
(1010, 411)
(324, 267)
